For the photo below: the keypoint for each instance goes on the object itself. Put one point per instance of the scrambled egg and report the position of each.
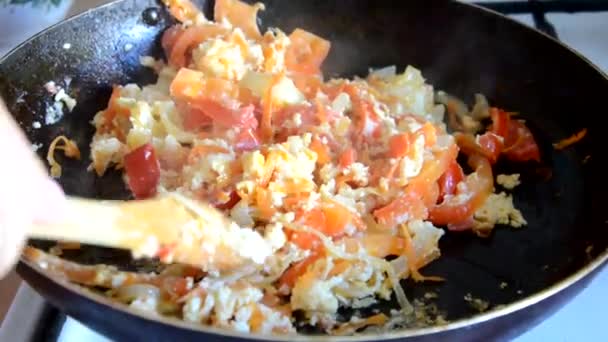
(498, 209)
(508, 181)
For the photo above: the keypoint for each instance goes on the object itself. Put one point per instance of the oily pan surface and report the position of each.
(555, 91)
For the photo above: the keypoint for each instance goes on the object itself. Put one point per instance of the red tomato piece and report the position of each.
(242, 117)
(450, 179)
(399, 145)
(247, 140)
(234, 199)
(478, 187)
(500, 122)
(348, 157)
(492, 144)
(488, 145)
(143, 171)
(520, 144)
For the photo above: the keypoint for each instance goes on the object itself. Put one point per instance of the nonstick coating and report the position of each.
(460, 48)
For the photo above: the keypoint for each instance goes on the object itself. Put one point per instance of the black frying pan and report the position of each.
(461, 49)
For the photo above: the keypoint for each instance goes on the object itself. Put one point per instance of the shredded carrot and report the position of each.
(321, 111)
(264, 203)
(268, 105)
(112, 112)
(70, 149)
(564, 143)
(269, 167)
(350, 328)
(412, 258)
(429, 132)
(321, 150)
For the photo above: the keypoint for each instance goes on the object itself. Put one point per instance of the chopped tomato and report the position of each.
(189, 38)
(477, 187)
(404, 208)
(113, 111)
(488, 145)
(304, 240)
(169, 38)
(182, 10)
(192, 118)
(367, 124)
(143, 171)
(306, 52)
(450, 179)
(291, 275)
(336, 219)
(399, 145)
(500, 122)
(492, 144)
(520, 144)
(241, 117)
(165, 251)
(434, 168)
(232, 201)
(347, 157)
(331, 220)
(307, 84)
(239, 14)
(247, 140)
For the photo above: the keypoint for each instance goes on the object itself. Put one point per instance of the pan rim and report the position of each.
(545, 293)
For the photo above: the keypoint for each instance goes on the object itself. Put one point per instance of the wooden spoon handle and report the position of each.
(172, 228)
(119, 224)
(88, 221)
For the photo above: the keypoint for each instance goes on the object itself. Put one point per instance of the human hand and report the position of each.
(27, 193)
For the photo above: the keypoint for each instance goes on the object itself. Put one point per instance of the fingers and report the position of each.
(27, 194)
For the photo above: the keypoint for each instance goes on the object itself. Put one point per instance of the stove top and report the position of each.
(581, 24)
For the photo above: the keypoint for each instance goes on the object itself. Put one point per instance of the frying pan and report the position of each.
(461, 49)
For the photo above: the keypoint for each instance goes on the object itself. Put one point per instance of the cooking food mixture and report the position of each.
(333, 176)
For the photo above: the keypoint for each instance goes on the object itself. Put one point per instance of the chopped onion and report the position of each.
(135, 291)
(481, 109)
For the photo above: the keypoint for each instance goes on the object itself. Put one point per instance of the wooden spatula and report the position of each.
(172, 228)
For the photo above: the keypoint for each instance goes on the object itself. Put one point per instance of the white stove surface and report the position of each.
(584, 318)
